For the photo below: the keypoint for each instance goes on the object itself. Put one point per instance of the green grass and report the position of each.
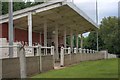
(89, 69)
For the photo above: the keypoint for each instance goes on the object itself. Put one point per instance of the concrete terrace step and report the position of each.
(57, 66)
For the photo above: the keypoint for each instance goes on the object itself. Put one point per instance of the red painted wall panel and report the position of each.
(19, 34)
(36, 37)
(22, 35)
(0, 30)
(5, 30)
(42, 39)
(61, 41)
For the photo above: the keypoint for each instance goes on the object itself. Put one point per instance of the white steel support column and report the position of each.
(97, 42)
(30, 28)
(77, 39)
(56, 41)
(45, 35)
(81, 42)
(97, 24)
(40, 39)
(71, 40)
(65, 39)
(11, 40)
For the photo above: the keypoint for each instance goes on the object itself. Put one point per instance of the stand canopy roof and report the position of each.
(60, 13)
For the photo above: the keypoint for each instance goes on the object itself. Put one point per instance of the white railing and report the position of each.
(112, 56)
(48, 48)
(69, 51)
(75, 50)
(5, 51)
(44, 50)
(84, 50)
(29, 50)
(79, 50)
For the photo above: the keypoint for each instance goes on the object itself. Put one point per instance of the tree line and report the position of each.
(109, 36)
(16, 6)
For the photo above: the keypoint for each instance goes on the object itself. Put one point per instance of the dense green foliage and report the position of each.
(90, 42)
(108, 36)
(89, 69)
(17, 6)
(68, 42)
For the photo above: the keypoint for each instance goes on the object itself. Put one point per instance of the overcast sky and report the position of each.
(105, 8)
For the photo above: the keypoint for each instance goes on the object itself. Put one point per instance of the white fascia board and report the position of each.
(34, 9)
(48, 8)
(81, 13)
(15, 17)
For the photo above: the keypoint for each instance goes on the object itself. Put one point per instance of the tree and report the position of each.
(109, 32)
(4, 7)
(108, 36)
(17, 6)
(90, 42)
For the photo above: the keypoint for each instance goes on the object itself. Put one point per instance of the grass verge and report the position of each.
(88, 69)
